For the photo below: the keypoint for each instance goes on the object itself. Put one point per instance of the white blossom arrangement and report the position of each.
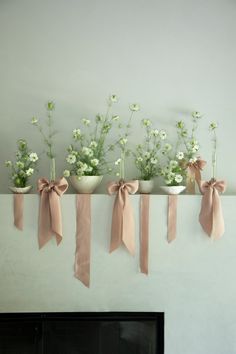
(188, 139)
(87, 156)
(48, 135)
(173, 172)
(147, 155)
(24, 167)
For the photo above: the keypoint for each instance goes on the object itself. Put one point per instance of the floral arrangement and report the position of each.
(87, 156)
(174, 172)
(146, 155)
(48, 136)
(188, 139)
(24, 167)
(122, 142)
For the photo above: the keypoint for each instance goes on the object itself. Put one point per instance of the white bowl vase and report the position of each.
(19, 190)
(145, 187)
(85, 184)
(172, 189)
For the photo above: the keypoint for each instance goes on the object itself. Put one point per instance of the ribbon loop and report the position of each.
(211, 215)
(50, 209)
(123, 228)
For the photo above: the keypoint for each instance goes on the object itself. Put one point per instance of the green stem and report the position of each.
(122, 165)
(53, 170)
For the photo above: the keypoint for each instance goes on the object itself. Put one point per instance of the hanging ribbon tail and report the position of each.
(190, 181)
(123, 225)
(144, 232)
(50, 219)
(83, 239)
(18, 200)
(172, 217)
(211, 214)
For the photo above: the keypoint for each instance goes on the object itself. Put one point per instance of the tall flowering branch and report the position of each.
(213, 126)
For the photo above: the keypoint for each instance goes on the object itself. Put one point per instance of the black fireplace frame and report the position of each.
(41, 317)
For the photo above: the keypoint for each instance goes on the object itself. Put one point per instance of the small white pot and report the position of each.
(172, 189)
(19, 190)
(145, 187)
(85, 184)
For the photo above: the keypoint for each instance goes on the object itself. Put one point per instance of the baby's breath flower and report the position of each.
(173, 163)
(93, 144)
(178, 178)
(94, 162)
(180, 155)
(154, 132)
(146, 122)
(147, 154)
(213, 126)
(153, 161)
(20, 164)
(8, 163)
(193, 160)
(180, 124)
(66, 173)
(167, 147)
(87, 151)
(123, 141)
(196, 115)
(113, 98)
(139, 159)
(76, 134)
(134, 107)
(34, 121)
(29, 172)
(50, 105)
(118, 161)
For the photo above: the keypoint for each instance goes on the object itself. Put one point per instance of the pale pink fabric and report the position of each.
(83, 238)
(211, 215)
(18, 210)
(123, 226)
(172, 217)
(194, 174)
(50, 222)
(144, 232)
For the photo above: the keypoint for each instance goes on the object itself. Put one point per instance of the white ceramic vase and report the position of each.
(19, 190)
(85, 184)
(145, 187)
(172, 189)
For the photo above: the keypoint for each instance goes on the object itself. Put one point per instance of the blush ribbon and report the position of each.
(144, 232)
(18, 210)
(50, 222)
(211, 215)
(194, 174)
(83, 238)
(123, 226)
(172, 217)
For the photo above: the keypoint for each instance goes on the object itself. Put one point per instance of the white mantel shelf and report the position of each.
(191, 279)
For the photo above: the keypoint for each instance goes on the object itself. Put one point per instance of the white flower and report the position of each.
(193, 160)
(86, 121)
(196, 115)
(134, 107)
(147, 155)
(29, 172)
(94, 162)
(162, 134)
(76, 134)
(20, 164)
(180, 155)
(195, 148)
(87, 151)
(117, 162)
(167, 147)
(123, 141)
(154, 132)
(213, 126)
(34, 121)
(139, 159)
(66, 173)
(173, 163)
(153, 161)
(71, 159)
(178, 178)
(113, 98)
(117, 174)
(8, 163)
(93, 144)
(33, 157)
(115, 118)
(147, 122)
(89, 169)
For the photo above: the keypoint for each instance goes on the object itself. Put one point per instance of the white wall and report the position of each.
(191, 279)
(170, 56)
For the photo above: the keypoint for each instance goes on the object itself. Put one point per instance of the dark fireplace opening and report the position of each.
(82, 333)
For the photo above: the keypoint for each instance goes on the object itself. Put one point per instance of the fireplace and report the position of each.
(82, 333)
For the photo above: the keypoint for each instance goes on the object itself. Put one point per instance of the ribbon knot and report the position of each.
(123, 226)
(50, 209)
(211, 215)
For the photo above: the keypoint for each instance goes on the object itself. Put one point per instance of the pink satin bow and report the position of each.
(123, 226)
(211, 216)
(50, 209)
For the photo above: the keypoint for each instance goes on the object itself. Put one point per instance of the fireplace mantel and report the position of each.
(191, 279)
